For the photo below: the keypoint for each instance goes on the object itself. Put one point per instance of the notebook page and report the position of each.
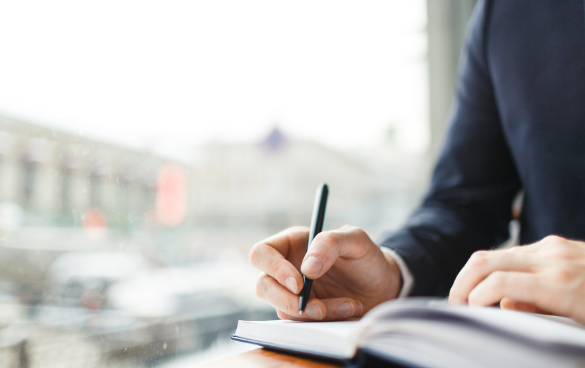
(555, 331)
(329, 338)
(530, 326)
(452, 345)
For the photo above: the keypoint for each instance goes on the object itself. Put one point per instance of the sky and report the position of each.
(171, 75)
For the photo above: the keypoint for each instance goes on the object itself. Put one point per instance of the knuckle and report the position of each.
(295, 231)
(276, 268)
(352, 230)
(553, 240)
(557, 248)
(497, 279)
(328, 237)
(261, 285)
(560, 253)
(357, 231)
(561, 276)
(478, 259)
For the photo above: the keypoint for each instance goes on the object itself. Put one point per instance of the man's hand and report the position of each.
(351, 273)
(548, 276)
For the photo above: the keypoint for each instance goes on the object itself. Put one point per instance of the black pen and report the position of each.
(316, 228)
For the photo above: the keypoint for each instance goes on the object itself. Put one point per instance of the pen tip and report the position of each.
(300, 313)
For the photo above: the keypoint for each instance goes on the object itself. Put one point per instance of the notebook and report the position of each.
(429, 333)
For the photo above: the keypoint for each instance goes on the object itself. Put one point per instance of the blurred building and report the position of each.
(273, 183)
(62, 179)
(241, 193)
(60, 193)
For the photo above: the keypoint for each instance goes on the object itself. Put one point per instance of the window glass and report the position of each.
(145, 147)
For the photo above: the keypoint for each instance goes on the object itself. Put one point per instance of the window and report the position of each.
(251, 103)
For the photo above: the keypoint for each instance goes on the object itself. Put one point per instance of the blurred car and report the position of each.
(81, 279)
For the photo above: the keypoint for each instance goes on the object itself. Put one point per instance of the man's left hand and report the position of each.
(546, 277)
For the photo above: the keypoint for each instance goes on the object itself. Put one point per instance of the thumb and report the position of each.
(328, 246)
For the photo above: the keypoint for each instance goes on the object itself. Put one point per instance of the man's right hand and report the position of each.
(351, 274)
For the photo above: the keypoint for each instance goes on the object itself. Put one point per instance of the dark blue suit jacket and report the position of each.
(518, 122)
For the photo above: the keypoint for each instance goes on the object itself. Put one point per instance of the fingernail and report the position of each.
(312, 266)
(291, 284)
(314, 311)
(346, 309)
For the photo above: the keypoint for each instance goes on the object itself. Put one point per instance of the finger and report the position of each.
(296, 238)
(296, 317)
(270, 261)
(342, 308)
(336, 309)
(483, 263)
(269, 256)
(551, 242)
(524, 288)
(507, 303)
(290, 242)
(269, 290)
(328, 246)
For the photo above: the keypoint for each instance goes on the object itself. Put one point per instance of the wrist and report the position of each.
(396, 282)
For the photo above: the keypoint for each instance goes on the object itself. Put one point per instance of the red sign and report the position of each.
(94, 219)
(171, 195)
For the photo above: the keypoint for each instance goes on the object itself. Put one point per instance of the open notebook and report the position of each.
(426, 333)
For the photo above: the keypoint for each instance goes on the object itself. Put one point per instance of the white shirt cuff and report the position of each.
(407, 279)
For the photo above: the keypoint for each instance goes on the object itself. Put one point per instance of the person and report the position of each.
(517, 124)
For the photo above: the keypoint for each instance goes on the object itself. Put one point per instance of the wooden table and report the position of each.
(259, 358)
(262, 358)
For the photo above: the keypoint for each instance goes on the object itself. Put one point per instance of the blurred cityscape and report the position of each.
(116, 257)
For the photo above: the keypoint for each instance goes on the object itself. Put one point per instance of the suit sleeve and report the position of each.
(468, 205)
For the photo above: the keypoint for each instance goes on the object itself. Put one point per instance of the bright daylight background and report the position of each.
(169, 75)
(145, 146)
